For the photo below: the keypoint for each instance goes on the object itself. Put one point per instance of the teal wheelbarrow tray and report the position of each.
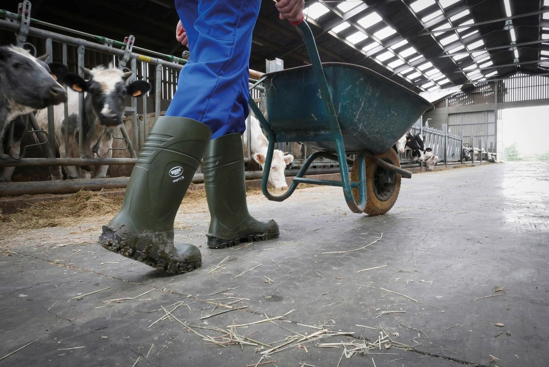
(339, 110)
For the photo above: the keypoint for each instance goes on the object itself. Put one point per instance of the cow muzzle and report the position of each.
(56, 95)
(110, 119)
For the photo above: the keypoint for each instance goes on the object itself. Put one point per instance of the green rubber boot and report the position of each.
(225, 185)
(143, 229)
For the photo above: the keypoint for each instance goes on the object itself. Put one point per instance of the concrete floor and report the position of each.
(458, 276)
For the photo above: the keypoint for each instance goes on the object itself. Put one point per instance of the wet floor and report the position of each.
(455, 274)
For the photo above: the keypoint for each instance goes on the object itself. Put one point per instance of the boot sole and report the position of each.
(171, 267)
(219, 243)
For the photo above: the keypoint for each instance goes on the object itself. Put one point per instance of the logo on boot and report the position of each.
(177, 173)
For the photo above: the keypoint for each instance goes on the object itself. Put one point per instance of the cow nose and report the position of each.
(110, 119)
(282, 187)
(57, 94)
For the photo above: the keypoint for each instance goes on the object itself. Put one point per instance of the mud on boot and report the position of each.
(143, 229)
(154, 249)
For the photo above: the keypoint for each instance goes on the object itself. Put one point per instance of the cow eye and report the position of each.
(17, 65)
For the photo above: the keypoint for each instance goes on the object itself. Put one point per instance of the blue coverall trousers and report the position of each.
(213, 85)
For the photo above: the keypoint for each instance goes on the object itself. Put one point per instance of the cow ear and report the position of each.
(44, 57)
(288, 159)
(127, 75)
(139, 88)
(259, 158)
(87, 73)
(75, 82)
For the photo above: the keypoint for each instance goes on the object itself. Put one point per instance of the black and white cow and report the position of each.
(27, 84)
(415, 144)
(430, 159)
(105, 92)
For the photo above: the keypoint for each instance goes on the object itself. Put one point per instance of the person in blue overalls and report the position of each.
(211, 103)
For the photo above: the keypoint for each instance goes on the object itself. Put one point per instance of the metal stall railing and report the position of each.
(159, 69)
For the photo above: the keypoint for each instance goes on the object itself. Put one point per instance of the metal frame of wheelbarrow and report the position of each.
(305, 31)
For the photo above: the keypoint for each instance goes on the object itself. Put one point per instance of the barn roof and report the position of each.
(422, 44)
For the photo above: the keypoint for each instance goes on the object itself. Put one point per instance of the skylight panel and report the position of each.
(481, 60)
(459, 15)
(424, 66)
(407, 52)
(456, 49)
(516, 54)
(369, 20)
(449, 39)
(384, 33)
(385, 56)
(348, 5)
(513, 35)
(545, 15)
(414, 75)
(446, 3)
(459, 57)
(399, 44)
(480, 56)
(441, 28)
(433, 88)
(370, 46)
(341, 27)
(465, 36)
(444, 81)
(438, 77)
(475, 76)
(315, 11)
(507, 7)
(544, 36)
(470, 67)
(421, 4)
(396, 63)
(432, 72)
(486, 64)
(356, 37)
(545, 53)
(427, 85)
(407, 71)
(470, 21)
(491, 74)
(415, 58)
(431, 16)
(474, 45)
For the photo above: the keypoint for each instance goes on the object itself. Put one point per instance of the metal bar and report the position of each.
(29, 162)
(486, 22)
(390, 167)
(315, 181)
(87, 44)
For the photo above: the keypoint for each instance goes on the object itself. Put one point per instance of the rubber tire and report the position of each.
(374, 204)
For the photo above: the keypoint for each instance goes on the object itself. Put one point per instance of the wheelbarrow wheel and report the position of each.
(382, 186)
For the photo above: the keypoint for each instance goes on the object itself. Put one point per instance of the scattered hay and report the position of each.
(61, 213)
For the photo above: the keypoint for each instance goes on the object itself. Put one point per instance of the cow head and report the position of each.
(27, 82)
(412, 143)
(400, 144)
(277, 177)
(106, 91)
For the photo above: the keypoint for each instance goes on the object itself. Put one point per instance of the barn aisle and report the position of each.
(455, 274)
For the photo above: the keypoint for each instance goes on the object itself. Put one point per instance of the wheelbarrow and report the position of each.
(340, 110)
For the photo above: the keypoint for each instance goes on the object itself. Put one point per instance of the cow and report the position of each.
(400, 145)
(415, 144)
(27, 84)
(105, 92)
(259, 146)
(466, 153)
(430, 159)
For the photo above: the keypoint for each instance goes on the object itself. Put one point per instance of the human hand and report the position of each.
(291, 10)
(181, 35)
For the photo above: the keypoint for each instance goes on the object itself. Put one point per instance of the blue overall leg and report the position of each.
(213, 85)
